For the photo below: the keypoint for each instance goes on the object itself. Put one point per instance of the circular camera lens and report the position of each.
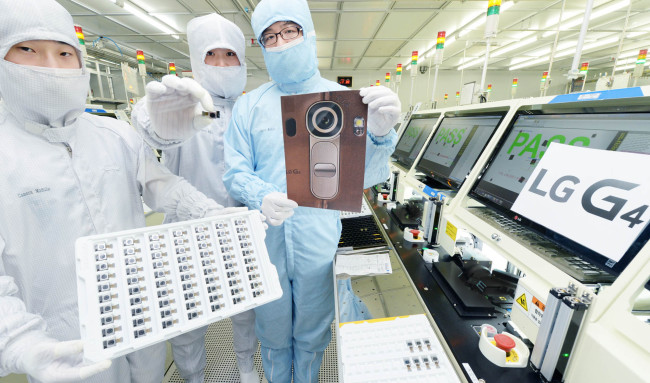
(325, 119)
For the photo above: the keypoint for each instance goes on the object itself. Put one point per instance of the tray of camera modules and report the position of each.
(400, 349)
(143, 286)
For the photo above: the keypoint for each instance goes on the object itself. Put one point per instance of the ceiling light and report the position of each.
(601, 11)
(632, 66)
(513, 46)
(466, 60)
(567, 14)
(507, 5)
(633, 53)
(529, 63)
(473, 25)
(567, 52)
(469, 62)
(632, 35)
(142, 15)
(472, 63)
(517, 60)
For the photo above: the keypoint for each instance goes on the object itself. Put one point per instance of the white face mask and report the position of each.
(38, 95)
(60, 72)
(292, 63)
(226, 82)
(286, 46)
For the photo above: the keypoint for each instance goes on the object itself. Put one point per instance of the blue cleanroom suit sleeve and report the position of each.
(378, 150)
(240, 178)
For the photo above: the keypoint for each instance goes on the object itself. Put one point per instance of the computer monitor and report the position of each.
(522, 146)
(413, 139)
(455, 147)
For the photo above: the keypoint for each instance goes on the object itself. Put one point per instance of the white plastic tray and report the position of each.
(399, 349)
(143, 286)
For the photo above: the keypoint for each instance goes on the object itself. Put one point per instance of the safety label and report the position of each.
(539, 303)
(451, 230)
(529, 304)
(522, 301)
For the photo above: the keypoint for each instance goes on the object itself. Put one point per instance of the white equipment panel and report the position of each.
(140, 287)
(400, 349)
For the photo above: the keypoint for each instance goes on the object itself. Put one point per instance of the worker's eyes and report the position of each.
(210, 53)
(26, 49)
(66, 54)
(231, 54)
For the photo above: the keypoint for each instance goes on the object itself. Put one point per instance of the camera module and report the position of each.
(325, 119)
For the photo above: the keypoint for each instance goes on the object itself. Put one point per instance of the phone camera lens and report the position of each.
(325, 119)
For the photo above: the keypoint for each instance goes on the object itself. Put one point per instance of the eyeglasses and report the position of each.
(287, 34)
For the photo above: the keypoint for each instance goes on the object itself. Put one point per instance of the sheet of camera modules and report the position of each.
(139, 287)
(399, 349)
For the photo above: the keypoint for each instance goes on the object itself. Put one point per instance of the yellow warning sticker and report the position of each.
(522, 301)
(451, 231)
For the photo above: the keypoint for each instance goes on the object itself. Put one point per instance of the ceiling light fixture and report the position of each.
(142, 15)
(530, 63)
(496, 52)
(602, 11)
(471, 63)
(567, 52)
(631, 66)
(511, 47)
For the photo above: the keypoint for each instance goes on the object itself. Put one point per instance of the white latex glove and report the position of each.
(50, 361)
(384, 108)
(173, 106)
(277, 207)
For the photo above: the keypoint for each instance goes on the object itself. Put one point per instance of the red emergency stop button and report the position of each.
(416, 233)
(385, 195)
(504, 342)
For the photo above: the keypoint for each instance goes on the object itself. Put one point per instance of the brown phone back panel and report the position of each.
(352, 153)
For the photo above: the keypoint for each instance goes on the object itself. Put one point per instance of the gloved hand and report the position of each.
(277, 207)
(173, 106)
(51, 361)
(384, 108)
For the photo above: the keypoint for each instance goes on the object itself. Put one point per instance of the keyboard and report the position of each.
(552, 252)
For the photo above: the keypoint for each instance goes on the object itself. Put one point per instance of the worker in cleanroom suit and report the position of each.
(217, 54)
(65, 174)
(301, 241)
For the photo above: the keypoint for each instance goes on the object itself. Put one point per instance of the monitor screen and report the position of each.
(413, 139)
(524, 144)
(455, 147)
